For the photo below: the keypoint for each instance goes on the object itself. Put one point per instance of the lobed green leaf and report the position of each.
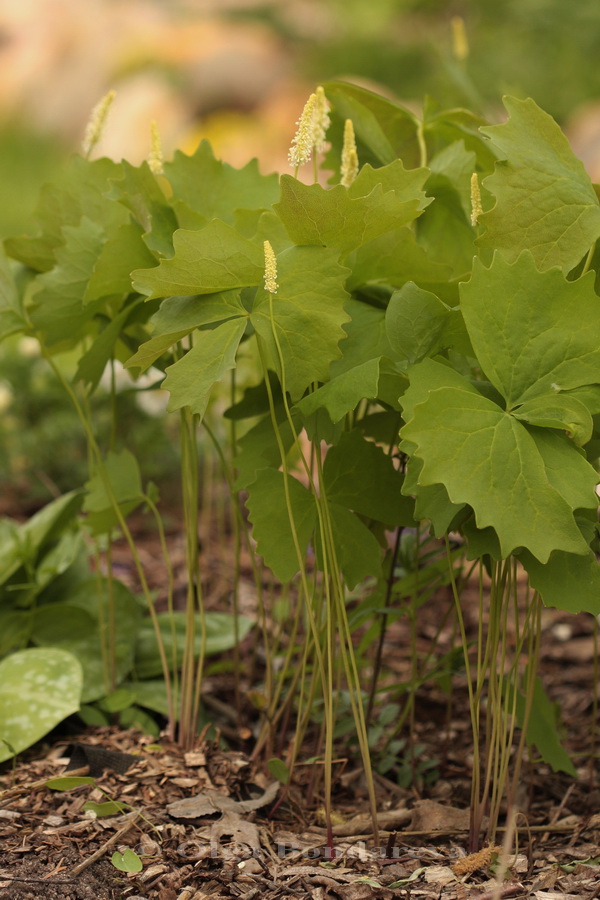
(545, 201)
(215, 258)
(307, 314)
(267, 505)
(191, 379)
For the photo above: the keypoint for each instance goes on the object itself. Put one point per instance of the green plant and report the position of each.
(125, 861)
(59, 653)
(418, 343)
(42, 448)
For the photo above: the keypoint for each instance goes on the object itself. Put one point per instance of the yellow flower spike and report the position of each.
(97, 121)
(460, 42)
(321, 120)
(349, 169)
(302, 144)
(155, 157)
(476, 207)
(270, 269)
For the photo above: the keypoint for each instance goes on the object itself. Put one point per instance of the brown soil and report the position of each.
(51, 848)
(50, 845)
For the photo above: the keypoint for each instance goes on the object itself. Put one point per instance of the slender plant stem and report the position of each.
(98, 461)
(473, 705)
(594, 722)
(383, 628)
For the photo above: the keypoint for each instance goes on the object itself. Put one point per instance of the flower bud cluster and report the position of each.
(311, 131)
(97, 121)
(349, 169)
(270, 269)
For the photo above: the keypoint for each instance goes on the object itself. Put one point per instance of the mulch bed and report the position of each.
(50, 847)
(238, 846)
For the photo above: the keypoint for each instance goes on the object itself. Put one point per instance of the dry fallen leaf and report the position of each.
(439, 875)
(427, 815)
(239, 829)
(210, 802)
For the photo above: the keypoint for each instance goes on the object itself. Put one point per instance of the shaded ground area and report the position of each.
(236, 837)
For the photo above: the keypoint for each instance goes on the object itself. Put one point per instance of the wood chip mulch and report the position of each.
(234, 843)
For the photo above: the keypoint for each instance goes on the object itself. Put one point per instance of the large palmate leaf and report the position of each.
(121, 482)
(38, 689)
(451, 170)
(307, 313)
(121, 254)
(178, 316)
(379, 200)
(431, 500)
(533, 333)
(59, 310)
(486, 458)
(82, 191)
(277, 542)
(419, 324)
(395, 258)
(139, 192)
(359, 475)
(259, 447)
(187, 313)
(191, 379)
(566, 467)
(445, 230)
(12, 318)
(214, 189)
(385, 131)
(446, 127)
(93, 362)
(357, 551)
(567, 581)
(562, 411)
(215, 258)
(344, 393)
(366, 338)
(545, 201)
(542, 731)
(23, 545)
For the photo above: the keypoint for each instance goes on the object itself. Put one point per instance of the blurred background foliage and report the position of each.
(238, 72)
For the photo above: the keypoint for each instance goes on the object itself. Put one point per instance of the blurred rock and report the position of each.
(583, 131)
(172, 63)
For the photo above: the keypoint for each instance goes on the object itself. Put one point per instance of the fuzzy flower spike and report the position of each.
(155, 157)
(460, 42)
(270, 269)
(321, 120)
(349, 169)
(476, 207)
(302, 144)
(95, 126)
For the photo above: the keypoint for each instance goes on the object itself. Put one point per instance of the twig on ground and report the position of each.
(558, 811)
(106, 846)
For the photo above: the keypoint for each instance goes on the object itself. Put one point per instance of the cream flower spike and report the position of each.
(321, 120)
(476, 207)
(460, 42)
(155, 157)
(349, 169)
(270, 269)
(97, 121)
(302, 144)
